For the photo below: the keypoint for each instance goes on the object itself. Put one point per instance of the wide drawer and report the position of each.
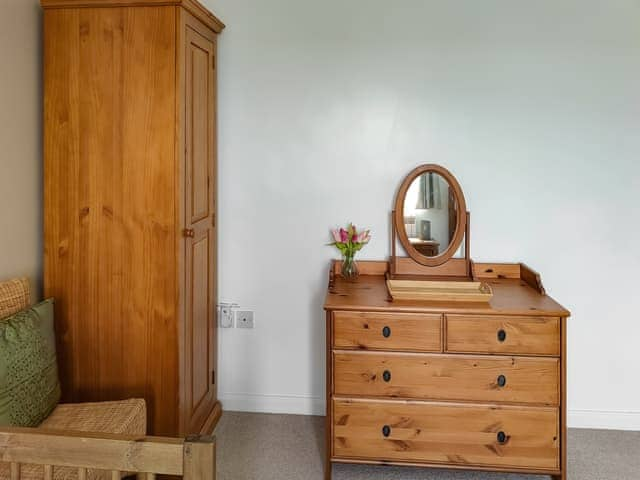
(494, 334)
(470, 435)
(447, 377)
(382, 331)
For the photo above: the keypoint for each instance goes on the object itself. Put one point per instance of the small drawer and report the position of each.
(383, 331)
(447, 377)
(413, 432)
(511, 335)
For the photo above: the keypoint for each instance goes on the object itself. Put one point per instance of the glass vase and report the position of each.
(349, 268)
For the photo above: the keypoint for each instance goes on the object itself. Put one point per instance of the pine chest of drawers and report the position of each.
(465, 386)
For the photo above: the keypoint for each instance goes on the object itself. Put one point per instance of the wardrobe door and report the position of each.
(200, 261)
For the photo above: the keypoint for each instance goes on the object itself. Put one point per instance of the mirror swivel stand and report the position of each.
(461, 268)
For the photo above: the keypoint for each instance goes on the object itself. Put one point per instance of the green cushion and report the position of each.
(29, 386)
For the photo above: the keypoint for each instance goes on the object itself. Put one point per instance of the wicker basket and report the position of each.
(14, 296)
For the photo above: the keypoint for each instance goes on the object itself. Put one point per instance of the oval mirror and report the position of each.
(430, 215)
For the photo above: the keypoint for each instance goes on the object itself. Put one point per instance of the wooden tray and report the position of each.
(450, 291)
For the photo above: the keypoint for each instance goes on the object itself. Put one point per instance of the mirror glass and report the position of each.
(430, 214)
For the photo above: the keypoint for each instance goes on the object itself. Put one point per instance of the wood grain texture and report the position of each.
(372, 382)
(200, 165)
(495, 334)
(510, 297)
(115, 201)
(329, 377)
(447, 377)
(439, 290)
(213, 419)
(146, 457)
(451, 434)
(199, 459)
(509, 270)
(496, 270)
(92, 450)
(193, 6)
(563, 403)
(454, 267)
(108, 166)
(405, 331)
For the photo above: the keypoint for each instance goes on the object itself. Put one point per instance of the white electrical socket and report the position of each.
(244, 319)
(226, 314)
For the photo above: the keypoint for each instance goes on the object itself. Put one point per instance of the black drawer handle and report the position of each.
(386, 332)
(386, 376)
(502, 437)
(386, 430)
(502, 335)
(502, 380)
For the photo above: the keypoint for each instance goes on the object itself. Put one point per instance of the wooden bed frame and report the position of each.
(192, 458)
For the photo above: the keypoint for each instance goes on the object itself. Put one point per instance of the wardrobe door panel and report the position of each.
(200, 334)
(199, 126)
(109, 162)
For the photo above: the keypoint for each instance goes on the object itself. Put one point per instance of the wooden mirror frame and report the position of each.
(461, 221)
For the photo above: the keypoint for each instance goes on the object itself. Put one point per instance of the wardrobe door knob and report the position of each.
(502, 437)
(502, 380)
(386, 332)
(502, 335)
(386, 430)
(386, 376)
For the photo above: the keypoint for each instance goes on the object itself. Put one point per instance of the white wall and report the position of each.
(326, 105)
(20, 141)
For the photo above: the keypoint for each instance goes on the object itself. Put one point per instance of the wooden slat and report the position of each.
(496, 270)
(15, 471)
(47, 472)
(532, 278)
(199, 458)
(430, 290)
(82, 474)
(104, 452)
(115, 474)
(455, 267)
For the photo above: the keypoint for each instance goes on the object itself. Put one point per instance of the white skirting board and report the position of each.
(604, 419)
(267, 403)
(307, 405)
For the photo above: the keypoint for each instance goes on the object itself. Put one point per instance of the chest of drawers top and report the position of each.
(511, 296)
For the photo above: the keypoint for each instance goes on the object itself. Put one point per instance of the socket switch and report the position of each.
(244, 319)
(226, 315)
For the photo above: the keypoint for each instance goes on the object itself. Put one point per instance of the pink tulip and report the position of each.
(336, 235)
(344, 236)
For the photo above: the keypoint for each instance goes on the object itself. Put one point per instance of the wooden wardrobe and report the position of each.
(130, 204)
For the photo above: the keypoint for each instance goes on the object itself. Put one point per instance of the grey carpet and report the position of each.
(255, 446)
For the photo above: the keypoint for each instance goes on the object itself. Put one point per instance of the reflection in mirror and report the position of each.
(430, 214)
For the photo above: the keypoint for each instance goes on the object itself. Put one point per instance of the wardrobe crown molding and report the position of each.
(192, 6)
